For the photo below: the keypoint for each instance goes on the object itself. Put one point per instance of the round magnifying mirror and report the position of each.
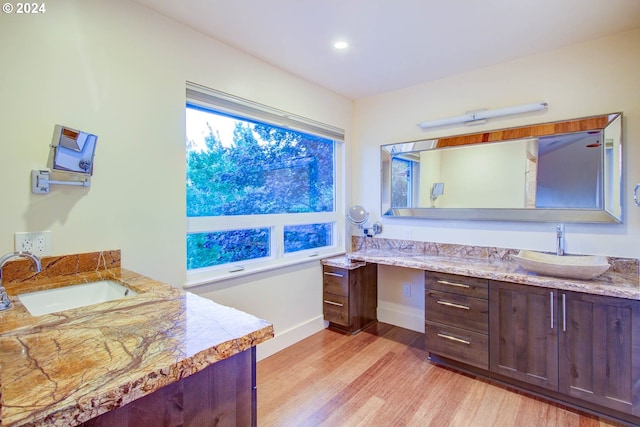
(357, 215)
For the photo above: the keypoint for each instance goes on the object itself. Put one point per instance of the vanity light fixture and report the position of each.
(480, 116)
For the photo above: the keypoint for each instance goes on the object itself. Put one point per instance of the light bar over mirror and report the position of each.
(70, 160)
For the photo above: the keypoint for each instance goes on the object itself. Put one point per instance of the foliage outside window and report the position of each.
(255, 191)
(402, 180)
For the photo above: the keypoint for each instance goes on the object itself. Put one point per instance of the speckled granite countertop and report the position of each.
(622, 280)
(64, 368)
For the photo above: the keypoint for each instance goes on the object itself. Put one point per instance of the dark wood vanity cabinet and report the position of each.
(350, 297)
(524, 333)
(580, 345)
(600, 350)
(456, 318)
(223, 394)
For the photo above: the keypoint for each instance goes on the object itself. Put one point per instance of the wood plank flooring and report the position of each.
(380, 377)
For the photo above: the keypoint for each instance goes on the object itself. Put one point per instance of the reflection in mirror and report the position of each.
(72, 151)
(566, 171)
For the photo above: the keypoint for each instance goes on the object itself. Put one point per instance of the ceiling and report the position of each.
(394, 44)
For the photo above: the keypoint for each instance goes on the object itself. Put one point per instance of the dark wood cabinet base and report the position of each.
(348, 330)
(350, 297)
(222, 395)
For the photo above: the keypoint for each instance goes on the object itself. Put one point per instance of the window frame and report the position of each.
(220, 102)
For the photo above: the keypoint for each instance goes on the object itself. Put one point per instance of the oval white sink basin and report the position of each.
(569, 266)
(68, 297)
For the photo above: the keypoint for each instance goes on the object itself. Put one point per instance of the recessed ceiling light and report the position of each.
(341, 45)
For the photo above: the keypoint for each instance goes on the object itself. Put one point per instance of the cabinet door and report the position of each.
(523, 333)
(600, 350)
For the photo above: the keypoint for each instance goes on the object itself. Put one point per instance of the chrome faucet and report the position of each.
(5, 302)
(560, 239)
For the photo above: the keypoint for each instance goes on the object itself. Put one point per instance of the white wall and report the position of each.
(581, 80)
(114, 68)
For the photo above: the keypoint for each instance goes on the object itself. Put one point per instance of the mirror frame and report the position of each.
(600, 215)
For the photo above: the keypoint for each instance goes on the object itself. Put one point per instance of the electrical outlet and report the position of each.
(38, 243)
(406, 290)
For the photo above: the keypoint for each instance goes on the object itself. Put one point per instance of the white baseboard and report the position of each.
(401, 315)
(284, 339)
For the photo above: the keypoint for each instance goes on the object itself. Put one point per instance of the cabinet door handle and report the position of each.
(334, 303)
(449, 337)
(551, 305)
(459, 285)
(333, 274)
(564, 313)
(451, 304)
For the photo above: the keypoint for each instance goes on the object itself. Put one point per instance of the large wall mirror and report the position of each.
(568, 171)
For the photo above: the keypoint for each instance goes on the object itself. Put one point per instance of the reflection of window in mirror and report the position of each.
(401, 182)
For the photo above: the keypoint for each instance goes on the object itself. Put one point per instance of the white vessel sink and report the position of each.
(68, 297)
(569, 266)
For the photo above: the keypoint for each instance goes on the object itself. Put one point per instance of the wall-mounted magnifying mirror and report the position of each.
(358, 215)
(70, 160)
(72, 151)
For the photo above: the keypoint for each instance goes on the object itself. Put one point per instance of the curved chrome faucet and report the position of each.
(5, 302)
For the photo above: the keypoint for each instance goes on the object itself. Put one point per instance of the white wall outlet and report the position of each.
(38, 243)
(406, 290)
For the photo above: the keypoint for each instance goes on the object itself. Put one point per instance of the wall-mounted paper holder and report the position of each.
(70, 160)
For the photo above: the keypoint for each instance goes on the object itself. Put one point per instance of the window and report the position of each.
(260, 186)
(404, 173)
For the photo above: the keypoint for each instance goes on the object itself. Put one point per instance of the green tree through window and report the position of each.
(245, 168)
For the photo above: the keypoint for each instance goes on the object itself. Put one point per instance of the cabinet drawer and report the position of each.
(470, 286)
(458, 344)
(336, 309)
(336, 280)
(457, 310)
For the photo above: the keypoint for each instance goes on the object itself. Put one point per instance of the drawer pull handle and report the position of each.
(333, 274)
(459, 285)
(564, 313)
(449, 337)
(334, 303)
(453, 305)
(551, 307)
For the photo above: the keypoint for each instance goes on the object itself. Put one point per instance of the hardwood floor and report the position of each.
(380, 377)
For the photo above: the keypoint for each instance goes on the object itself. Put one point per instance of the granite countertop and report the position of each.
(622, 280)
(65, 368)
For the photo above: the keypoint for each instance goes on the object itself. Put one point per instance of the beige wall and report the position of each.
(119, 70)
(581, 80)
